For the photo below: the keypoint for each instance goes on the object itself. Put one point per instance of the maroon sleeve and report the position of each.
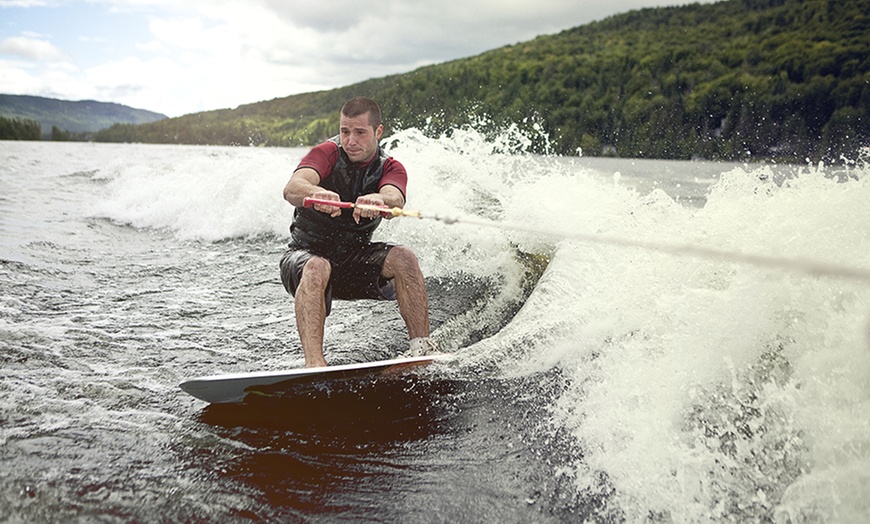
(394, 175)
(321, 158)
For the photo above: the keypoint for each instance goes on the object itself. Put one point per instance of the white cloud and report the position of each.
(34, 49)
(37, 67)
(93, 39)
(14, 78)
(22, 3)
(191, 33)
(54, 81)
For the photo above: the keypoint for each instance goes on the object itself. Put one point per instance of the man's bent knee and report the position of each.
(316, 272)
(400, 259)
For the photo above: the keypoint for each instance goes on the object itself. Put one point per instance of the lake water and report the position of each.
(593, 379)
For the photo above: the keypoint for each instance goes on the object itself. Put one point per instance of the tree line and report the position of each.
(29, 129)
(19, 129)
(733, 80)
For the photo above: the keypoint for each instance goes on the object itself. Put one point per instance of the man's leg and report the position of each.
(401, 265)
(310, 305)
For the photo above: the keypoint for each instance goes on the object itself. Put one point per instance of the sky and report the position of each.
(185, 56)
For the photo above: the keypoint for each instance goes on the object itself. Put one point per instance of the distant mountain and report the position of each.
(76, 117)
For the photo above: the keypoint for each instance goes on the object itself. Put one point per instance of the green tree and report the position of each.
(59, 135)
(19, 129)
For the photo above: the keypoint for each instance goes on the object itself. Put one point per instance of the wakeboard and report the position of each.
(234, 387)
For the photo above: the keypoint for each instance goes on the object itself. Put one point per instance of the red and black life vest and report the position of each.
(326, 235)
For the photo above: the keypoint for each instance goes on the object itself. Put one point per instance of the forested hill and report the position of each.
(76, 117)
(737, 79)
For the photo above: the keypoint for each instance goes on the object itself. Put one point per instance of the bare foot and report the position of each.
(316, 363)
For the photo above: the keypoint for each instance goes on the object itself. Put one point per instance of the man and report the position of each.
(331, 254)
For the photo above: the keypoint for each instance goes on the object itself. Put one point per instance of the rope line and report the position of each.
(801, 265)
(811, 267)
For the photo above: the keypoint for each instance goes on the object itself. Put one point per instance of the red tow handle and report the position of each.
(309, 202)
(384, 210)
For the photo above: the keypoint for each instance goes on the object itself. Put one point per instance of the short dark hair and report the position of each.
(361, 105)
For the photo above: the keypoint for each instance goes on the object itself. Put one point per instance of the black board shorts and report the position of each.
(356, 276)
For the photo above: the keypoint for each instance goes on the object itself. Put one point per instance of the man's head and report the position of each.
(361, 129)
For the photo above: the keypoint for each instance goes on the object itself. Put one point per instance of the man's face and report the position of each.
(358, 138)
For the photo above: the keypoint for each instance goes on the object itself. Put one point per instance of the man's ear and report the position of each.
(379, 132)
